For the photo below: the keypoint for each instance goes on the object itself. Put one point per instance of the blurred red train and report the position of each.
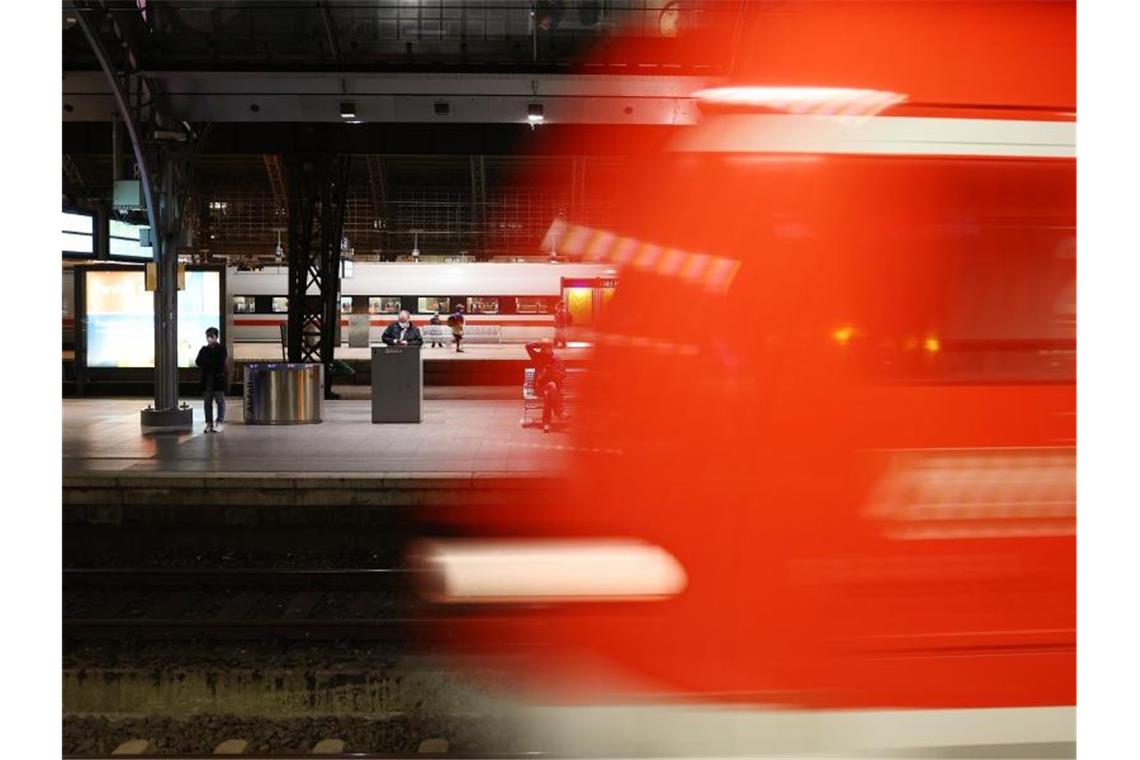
(859, 491)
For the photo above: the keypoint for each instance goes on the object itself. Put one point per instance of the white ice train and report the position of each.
(518, 299)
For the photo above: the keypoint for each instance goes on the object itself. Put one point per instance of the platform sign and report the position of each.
(120, 317)
(126, 241)
(78, 234)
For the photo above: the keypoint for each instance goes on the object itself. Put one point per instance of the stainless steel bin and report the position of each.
(277, 393)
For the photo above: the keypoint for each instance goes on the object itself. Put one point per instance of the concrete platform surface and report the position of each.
(460, 437)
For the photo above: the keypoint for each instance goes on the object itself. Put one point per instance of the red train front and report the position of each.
(825, 451)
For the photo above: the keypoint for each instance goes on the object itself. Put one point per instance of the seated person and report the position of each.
(402, 332)
(549, 377)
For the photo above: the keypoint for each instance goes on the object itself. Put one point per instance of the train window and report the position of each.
(383, 304)
(429, 304)
(346, 304)
(1001, 311)
(482, 305)
(280, 304)
(532, 305)
(244, 305)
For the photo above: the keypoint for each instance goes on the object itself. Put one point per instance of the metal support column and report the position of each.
(316, 188)
(162, 213)
(166, 290)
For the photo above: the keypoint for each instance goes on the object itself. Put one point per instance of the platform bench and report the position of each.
(482, 333)
(532, 402)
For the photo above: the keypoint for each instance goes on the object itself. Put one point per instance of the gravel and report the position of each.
(199, 734)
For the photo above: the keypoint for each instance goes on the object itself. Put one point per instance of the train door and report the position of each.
(586, 297)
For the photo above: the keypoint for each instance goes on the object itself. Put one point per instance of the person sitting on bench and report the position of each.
(402, 332)
(549, 377)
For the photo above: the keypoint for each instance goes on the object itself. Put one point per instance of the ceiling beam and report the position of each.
(402, 98)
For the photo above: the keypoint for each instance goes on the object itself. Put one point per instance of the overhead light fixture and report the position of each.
(840, 101)
(347, 110)
(534, 113)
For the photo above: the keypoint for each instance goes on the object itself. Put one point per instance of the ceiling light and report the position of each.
(534, 113)
(348, 110)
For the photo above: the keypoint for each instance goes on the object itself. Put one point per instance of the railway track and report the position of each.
(165, 604)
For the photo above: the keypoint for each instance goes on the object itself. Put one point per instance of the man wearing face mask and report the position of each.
(402, 332)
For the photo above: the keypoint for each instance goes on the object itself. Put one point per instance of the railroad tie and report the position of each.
(232, 747)
(328, 747)
(136, 747)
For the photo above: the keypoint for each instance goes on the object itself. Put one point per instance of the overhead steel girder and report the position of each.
(408, 98)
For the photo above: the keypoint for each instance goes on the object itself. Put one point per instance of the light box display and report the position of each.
(120, 317)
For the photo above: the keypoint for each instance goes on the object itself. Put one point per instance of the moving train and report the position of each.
(858, 495)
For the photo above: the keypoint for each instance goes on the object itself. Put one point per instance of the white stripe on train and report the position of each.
(879, 135)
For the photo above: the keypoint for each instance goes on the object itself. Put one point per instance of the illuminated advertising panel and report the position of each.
(198, 307)
(120, 317)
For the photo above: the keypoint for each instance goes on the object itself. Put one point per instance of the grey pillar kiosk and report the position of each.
(397, 384)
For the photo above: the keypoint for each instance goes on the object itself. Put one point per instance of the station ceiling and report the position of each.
(437, 87)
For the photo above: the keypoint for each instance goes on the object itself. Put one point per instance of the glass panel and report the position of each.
(482, 305)
(532, 305)
(244, 305)
(383, 304)
(346, 304)
(280, 304)
(428, 304)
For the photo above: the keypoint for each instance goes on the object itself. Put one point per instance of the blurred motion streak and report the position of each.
(843, 393)
(553, 570)
(803, 100)
(713, 273)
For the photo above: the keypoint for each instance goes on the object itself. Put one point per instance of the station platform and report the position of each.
(459, 437)
(480, 364)
(342, 472)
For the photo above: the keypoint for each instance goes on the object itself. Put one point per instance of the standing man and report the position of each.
(561, 322)
(549, 377)
(402, 332)
(455, 321)
(212, 379)
(436, 326)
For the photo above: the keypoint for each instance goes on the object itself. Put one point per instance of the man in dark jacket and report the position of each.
(212, 381)
(402, 332)
(549, 377)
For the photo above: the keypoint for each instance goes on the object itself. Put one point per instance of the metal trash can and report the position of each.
(279, 393)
